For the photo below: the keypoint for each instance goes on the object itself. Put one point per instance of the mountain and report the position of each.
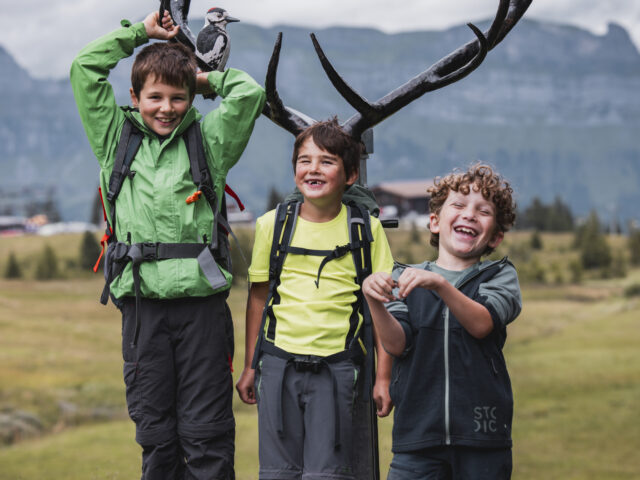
(554, 108)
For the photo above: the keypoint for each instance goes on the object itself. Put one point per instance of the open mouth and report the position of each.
(314, 183)
(466, 231)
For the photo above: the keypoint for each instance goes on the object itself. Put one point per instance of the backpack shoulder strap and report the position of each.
(360, 235)
(197, 158)
(285, 224)
(128, 145)
(285, 221)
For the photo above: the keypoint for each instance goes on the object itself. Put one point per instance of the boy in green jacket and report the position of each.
(177, 332)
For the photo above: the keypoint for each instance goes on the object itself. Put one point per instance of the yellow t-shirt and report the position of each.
(310, 320)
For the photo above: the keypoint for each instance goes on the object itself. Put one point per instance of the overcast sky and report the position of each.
(44, 36)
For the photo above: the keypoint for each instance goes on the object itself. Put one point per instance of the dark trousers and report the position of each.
(179, 387)
(452, 463)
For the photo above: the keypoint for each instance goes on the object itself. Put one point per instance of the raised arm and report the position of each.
(99, 112)
(226, 129)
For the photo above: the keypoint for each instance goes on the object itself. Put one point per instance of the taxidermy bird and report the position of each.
(212, 43)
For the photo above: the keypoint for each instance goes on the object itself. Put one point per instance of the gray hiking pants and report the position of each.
(306, 447)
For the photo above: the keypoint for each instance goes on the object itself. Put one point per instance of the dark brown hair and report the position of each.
(170, 63)
(484, 180)
(330, 136)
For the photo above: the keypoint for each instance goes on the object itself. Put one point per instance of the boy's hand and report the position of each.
(379, 286)
(160, 31)
(416, 277)
(245, 386)
(382, 398)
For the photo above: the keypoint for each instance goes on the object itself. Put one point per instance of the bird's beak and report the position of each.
(232, 19)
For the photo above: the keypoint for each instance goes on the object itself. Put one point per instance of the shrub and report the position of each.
(632, 290)
(557, 275)
(577, 272)
(532, 272)
(13, 270)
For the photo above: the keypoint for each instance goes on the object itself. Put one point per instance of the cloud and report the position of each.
(44, 36)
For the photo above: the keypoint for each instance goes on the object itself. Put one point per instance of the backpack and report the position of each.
(360, 201)
(210, 254)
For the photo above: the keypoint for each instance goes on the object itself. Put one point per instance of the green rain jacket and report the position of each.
(151, 206)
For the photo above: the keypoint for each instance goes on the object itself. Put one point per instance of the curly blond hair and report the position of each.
(483, 179)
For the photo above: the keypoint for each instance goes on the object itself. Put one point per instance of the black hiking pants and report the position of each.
(179, 387)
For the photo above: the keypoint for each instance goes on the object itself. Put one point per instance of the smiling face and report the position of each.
(466, 225)
(320, 176)
(162, 106)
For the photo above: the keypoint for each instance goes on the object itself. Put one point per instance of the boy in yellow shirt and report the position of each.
(307, 364)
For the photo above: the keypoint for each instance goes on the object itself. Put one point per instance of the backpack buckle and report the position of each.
(149, 250)
(342, 250)
(307, 363)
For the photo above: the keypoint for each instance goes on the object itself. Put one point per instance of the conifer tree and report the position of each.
(275, 197)
(89, 251)
(96, 216)
(634, 246)
(536, 241)
(594, 249)
(47, 266)
(13, 270)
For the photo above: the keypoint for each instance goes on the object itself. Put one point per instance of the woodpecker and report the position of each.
(212, 43)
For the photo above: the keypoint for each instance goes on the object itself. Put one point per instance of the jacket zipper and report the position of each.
(447, 418)
(447, 392)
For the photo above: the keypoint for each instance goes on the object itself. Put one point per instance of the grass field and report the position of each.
(573, 357)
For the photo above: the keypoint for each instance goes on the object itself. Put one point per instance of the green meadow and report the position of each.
(573, 355)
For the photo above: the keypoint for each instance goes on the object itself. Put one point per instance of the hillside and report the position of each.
(554, 107)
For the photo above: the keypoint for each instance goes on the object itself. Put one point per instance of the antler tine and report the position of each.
(283, 116)
(508, 14)
(437, 76)
(444, 72)
(516, 11)
(349, 94)
(498, 21)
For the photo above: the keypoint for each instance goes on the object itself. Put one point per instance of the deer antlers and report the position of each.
(449, 69)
